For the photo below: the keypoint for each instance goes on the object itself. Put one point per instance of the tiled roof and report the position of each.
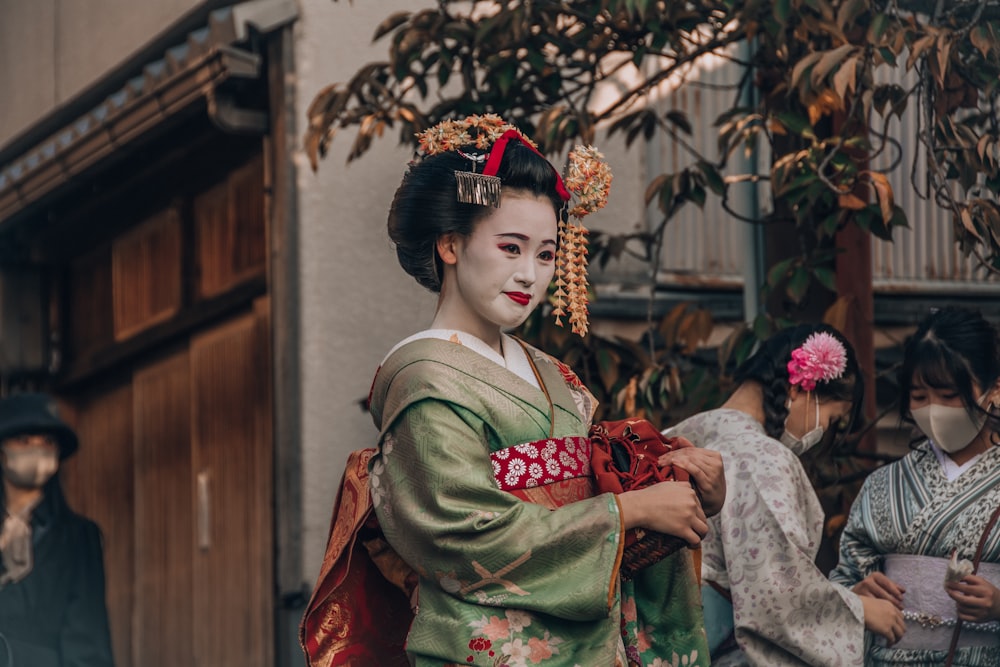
(188, 70)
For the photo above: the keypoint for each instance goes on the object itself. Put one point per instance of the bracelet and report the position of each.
(933, 621)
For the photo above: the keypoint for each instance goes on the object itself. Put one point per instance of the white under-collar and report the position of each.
(951, 469)
(513, 358)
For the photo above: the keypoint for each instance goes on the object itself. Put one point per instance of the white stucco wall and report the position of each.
(52, 49)
(356, 302)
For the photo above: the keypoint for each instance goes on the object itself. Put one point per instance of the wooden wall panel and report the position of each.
(232, 451)
(230, 230)
(163, 622)
(98, 484)
(89, 301)
(212, 235)
(246, 197)
(146, 274)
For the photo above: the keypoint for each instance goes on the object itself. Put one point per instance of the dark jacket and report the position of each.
(57, 616)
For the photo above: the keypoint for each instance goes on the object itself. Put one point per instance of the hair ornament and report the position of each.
(488, 132)
(820, 359)
(588, 177)
(587, 181)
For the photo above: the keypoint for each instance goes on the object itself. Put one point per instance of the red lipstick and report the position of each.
(519, 297)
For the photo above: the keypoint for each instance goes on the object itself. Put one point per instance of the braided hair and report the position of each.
(768, 367)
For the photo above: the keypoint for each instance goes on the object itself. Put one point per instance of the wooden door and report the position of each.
(175, 467)
(98, 479)
(231, 436)
(163, 623)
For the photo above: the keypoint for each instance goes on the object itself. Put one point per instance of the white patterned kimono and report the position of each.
(910, 507)
(762, 548)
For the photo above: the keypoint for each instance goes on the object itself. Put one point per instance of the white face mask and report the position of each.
(800, 446)
(30, 468)
(950, 427)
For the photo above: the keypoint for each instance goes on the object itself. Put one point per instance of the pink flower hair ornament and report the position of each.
(820, 359)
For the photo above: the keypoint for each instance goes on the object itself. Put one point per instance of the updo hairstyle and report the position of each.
(952, 348)
(769, 368)
(426, 204)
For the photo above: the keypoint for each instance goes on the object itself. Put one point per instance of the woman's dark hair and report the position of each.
(952, 348)
(769, 368)
(426, 204)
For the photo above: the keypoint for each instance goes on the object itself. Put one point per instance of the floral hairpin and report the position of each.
(587, 180)
(820, 359)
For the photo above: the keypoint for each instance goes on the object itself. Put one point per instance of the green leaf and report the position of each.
(887, 55)
(795, 122)
(680, 119)
(781, 10)
(798, 284)
(826, 277)
(607, 367)
(762, 327)
(778, 272)
(880, 23)
(504, 76)
(713, 179)
(697, 195)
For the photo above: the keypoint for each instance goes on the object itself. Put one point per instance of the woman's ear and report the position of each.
(993, 399)
(447, 248)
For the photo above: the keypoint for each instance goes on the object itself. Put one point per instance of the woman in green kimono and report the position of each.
(481, 480)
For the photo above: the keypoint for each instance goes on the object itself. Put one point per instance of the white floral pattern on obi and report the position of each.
(532, 464)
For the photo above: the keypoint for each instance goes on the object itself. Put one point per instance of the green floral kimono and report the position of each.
(503, 581)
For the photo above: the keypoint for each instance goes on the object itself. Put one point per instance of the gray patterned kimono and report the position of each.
(909, 507)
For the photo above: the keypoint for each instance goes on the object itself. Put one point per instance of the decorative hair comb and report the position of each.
(483, 139)
(820, 359)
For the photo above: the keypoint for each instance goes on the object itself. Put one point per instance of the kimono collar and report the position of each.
(513, 358)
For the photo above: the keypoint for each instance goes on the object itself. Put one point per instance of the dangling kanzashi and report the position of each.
(588, 179)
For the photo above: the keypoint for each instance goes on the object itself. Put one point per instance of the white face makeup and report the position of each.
(498, 275)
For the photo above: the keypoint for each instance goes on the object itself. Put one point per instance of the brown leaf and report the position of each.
(943, 54)
(969, 225)
(883, 189)
(836, 314)
(981, 38)
(917, 49)
(845, 78)
(653, 189)
(829, 61)
(804, 64)
(851, 202)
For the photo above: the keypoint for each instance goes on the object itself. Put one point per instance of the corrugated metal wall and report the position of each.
(704, 245)
(709, 246)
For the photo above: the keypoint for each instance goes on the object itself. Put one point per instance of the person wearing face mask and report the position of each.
(52, 603)
(766, 602)
(915, 528)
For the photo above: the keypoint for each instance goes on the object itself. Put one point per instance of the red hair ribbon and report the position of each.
(496, 155)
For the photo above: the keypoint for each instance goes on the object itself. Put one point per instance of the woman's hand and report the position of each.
(666, 507)
(883, 618)
(978, 600)
(877, 585)
(705, 468)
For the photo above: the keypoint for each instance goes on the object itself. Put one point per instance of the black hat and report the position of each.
(35, 414)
